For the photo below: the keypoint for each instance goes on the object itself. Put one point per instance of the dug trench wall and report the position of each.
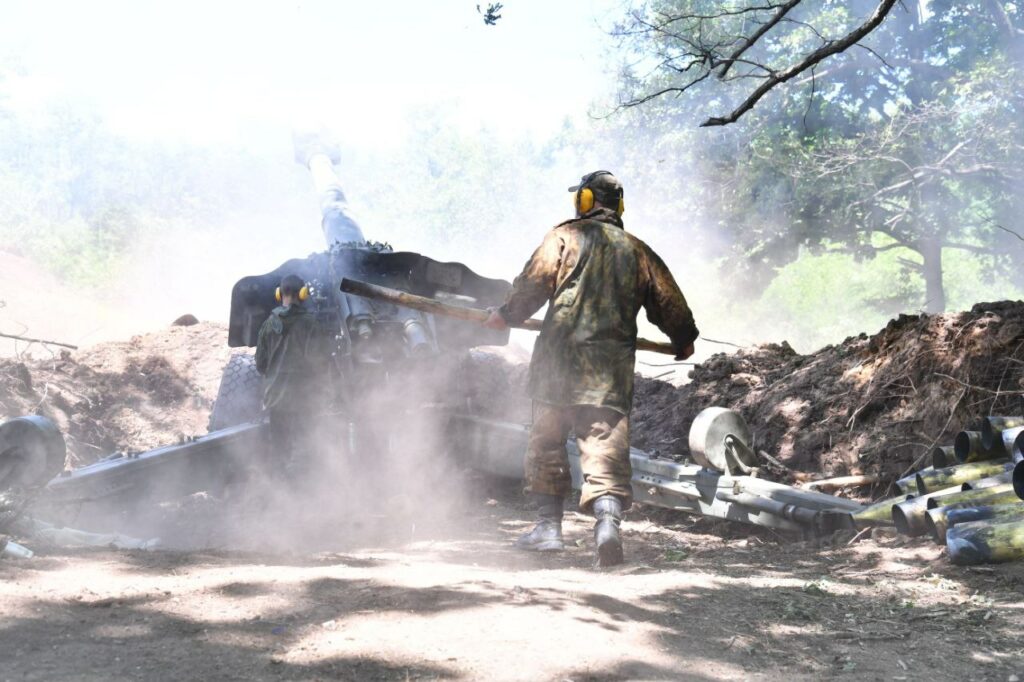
(125, 396)
(869, 405)
(872, 404)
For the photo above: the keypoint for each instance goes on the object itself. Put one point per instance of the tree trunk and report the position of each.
(935, 293)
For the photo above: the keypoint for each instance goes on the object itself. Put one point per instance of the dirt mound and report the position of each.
(873, 404)
(150, 390)
(868, 405)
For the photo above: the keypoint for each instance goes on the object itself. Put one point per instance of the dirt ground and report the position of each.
(397, 594)
(692, 603)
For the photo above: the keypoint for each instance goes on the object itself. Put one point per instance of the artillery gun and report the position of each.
(384, 359)
(387, 358)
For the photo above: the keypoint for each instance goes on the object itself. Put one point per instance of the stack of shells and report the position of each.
(971, 499)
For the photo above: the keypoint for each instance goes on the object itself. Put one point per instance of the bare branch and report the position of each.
(757, 35)
(824, 52)
(1004, 229)
(970, 247)
(18, 337)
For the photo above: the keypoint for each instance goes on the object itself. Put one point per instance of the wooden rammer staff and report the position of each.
(430, 305)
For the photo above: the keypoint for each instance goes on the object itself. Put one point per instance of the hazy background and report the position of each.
(146, 162)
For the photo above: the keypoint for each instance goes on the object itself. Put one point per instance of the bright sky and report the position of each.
(201, 71)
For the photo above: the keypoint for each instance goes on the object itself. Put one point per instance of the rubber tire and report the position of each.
(240, 395)
(32, 451)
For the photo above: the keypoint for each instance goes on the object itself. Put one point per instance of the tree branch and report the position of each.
(824, 52)
(757, 35)
(970, 247)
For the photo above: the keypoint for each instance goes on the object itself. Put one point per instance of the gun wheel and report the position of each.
(32, 451)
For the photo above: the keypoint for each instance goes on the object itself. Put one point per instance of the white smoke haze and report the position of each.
(457, 141)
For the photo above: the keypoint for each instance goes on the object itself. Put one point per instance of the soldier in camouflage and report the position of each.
(292, 356)
(595, 278)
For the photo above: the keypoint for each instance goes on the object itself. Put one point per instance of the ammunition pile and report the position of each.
(971, 498)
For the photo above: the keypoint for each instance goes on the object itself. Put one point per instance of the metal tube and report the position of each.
(968, 447)
(1018, 479)
(936, 518)
(1017, 451)
(974, 496)
(1009, 438)
(987, 543)
(1003, 512)
(930, 481)
(908, 484)
(992, 427)
(339, 226)
(909, 516)
(13, 549)
(878, 514)
(943, 456)
(763, 504)
(990, 481)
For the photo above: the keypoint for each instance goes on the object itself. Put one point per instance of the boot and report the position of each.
(608, 543)
(546, 536)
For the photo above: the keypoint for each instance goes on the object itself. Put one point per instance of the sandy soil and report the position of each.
(441, 603)
(396, 595)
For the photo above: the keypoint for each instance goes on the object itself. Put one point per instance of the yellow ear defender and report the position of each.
(584, 199)
(303, 293)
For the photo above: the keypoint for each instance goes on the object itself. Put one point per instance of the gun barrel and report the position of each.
(338, 224)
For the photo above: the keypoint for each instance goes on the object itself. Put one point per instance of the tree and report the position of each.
(909, 147)
(938, 176)
(699, 40)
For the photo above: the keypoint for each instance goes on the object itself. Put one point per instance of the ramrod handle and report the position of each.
(430, 305)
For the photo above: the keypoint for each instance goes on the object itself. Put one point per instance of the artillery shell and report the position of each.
(937, 518)
(943, 456)
(968, 447)
(973, 496)
(930, 481)
(1018, 479)
(990, 481)
(987, 543)
(909, 516)
(992, 427)
(1017, 451)
(1009, 438)
(878, 514)
(907, 485)
(1002, 513)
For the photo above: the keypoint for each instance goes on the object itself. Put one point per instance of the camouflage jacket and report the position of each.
(292, 356)
(595, 277)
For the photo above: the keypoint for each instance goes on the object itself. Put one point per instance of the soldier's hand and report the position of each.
(495, 321)
(687, 352)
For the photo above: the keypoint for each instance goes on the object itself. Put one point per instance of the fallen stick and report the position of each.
(42, 341)
(772, 460)
(479, 315)
(841, 482)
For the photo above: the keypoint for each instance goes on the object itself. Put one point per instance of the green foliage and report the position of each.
(84, 253)
(820, 299)
(921, 148)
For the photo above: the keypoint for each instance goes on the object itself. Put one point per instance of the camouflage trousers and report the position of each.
(602, 435)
